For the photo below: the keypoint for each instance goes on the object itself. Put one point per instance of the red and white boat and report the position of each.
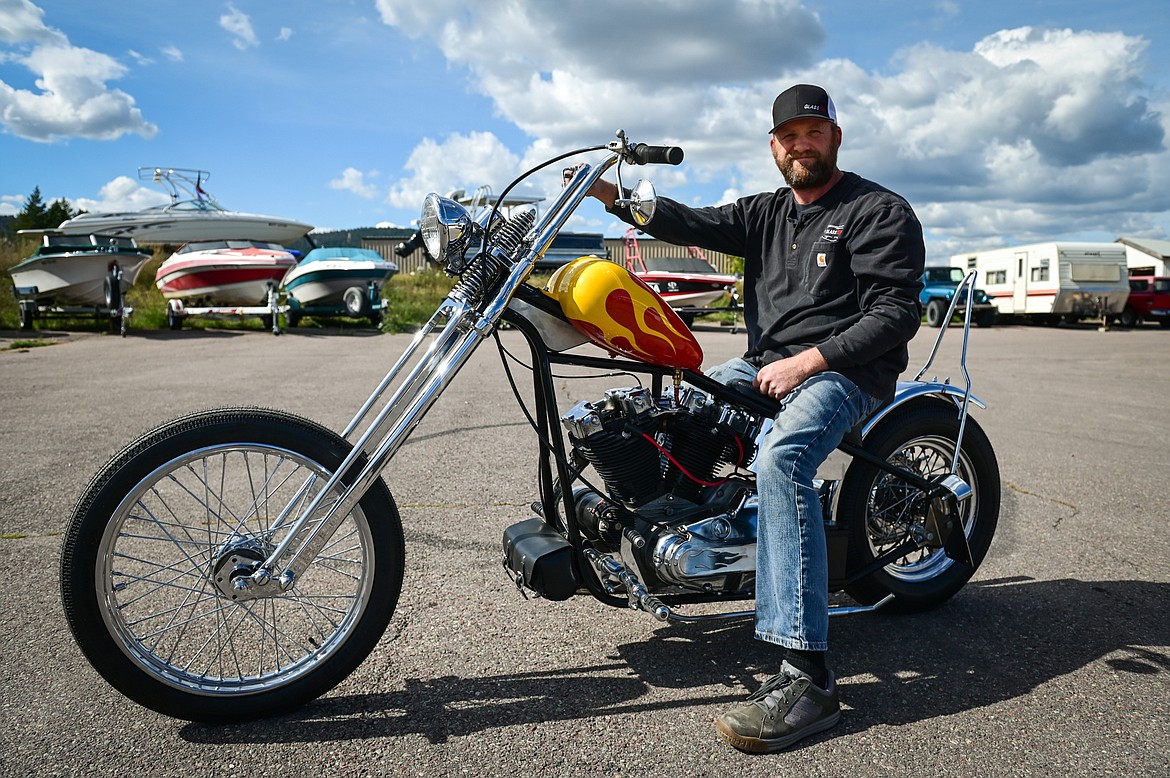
(684, 282)
(223, 272)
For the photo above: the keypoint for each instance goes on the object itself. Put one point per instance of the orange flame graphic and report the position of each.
(620, 313)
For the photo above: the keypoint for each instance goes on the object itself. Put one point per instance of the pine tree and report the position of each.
(33, 213)
(58, 212)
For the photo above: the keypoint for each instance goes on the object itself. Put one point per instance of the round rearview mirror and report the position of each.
(643, 202)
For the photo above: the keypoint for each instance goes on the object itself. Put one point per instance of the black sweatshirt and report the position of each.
(842, 274)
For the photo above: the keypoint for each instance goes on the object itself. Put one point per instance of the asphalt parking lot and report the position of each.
(1054, 660)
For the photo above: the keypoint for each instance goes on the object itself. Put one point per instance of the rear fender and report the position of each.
(910, 391)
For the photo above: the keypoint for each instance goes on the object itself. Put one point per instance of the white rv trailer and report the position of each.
(1053, 280)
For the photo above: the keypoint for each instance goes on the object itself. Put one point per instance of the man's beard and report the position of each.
(810, 174)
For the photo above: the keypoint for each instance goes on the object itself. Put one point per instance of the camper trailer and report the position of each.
(1052, 281)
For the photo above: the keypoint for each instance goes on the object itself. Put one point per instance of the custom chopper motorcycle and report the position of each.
(234, 563)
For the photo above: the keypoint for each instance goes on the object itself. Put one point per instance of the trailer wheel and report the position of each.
(174, 320)
(986, 318)
(112, 290)
(1128, 317)
(26, 317)
(357, 304)
(936, 311)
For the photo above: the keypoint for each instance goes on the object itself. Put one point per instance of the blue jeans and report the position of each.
(792, 567)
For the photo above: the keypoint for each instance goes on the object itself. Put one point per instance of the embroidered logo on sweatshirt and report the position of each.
(822, 259)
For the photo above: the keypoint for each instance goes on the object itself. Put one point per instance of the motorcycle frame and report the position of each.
(417, 378)
(553, 454)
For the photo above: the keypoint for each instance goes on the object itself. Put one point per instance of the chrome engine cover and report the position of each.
(714, 554)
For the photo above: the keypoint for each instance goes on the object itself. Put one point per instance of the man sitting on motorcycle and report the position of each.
(831, 282)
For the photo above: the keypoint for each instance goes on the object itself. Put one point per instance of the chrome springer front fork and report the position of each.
(422, 373)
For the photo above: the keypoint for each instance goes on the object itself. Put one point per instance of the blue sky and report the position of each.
(1002, 122)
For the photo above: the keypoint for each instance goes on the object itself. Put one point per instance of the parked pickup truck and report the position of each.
(1149, 298)
(939, 284)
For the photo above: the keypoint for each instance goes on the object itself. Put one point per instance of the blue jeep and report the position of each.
(939, 284)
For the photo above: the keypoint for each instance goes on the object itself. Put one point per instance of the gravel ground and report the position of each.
(1054, 660)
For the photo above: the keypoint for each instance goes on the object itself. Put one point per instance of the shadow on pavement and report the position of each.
(995, 641)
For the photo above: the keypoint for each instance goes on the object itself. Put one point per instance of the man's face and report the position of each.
(805, 150)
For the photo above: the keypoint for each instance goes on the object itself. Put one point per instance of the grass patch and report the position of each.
(412, 297)
(27, 344)
(12, 536)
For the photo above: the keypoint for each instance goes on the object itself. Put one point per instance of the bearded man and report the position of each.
(832, 273)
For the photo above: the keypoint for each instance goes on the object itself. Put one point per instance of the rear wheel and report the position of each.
(162, 532)
(1128, 317)
(885, 510)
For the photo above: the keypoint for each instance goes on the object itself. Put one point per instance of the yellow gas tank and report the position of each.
(617, 310)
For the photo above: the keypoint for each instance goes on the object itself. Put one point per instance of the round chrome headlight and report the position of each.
(443, 226)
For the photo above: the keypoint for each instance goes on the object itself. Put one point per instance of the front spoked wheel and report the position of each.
(885, 511)
(158, 537)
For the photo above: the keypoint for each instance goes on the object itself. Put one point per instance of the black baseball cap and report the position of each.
(800, 102)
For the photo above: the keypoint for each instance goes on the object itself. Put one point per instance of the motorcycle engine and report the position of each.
(669, 465)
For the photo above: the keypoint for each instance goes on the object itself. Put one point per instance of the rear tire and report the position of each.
(1128, 317)
(882, 507)
(162, 530)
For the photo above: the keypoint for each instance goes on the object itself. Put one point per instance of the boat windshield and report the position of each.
(203, 206)
(679, 265)
(225, 245)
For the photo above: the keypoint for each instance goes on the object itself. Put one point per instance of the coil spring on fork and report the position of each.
(495, 259)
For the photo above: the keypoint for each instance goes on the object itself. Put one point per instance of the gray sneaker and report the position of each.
(785, 709)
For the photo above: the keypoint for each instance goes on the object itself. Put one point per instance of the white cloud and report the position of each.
(1029, 132)
(10, 205)
(72, 97)
(285, 33)
(121, 194)
(459, 162)
(173, 53)
(354, 180)
(21, 22)
(239, 24)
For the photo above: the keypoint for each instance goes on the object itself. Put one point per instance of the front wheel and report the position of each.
(158, 536)
(884, 510)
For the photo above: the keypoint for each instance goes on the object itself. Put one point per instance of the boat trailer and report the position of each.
(269, 313)
(115, 310)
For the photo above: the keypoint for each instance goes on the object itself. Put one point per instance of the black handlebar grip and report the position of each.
(642, 154)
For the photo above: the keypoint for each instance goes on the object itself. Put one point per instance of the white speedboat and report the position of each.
(70, 270)
(324, 275)
(223, 272)
(192, 215)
